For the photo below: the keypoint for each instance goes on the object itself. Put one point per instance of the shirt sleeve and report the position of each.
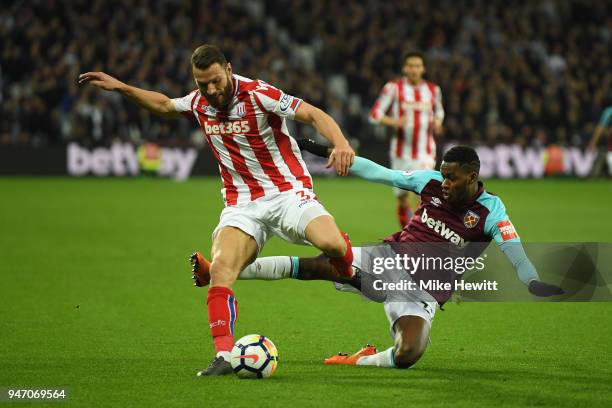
(185, 105)
(606, 117)
(515, 253)
(383, 102)
(412, 181)
(498, 225)
(272, 100)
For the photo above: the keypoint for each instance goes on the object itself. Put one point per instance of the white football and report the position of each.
(254, 356)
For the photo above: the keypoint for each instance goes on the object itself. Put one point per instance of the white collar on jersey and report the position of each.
(236, 81)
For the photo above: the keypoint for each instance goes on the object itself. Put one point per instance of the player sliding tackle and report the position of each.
(267, 189)
(453, 198)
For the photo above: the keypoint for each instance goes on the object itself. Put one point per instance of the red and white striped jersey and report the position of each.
(419, 105)
(257, 157)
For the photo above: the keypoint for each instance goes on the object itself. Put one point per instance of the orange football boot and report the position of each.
(343, 358)
(200, 268)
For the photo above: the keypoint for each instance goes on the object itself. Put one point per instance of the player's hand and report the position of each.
(398, 123)
(437, 127)
(543, 289)
(342, 158)
(101, 80)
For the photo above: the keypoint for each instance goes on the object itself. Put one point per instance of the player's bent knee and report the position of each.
(406, 357)
(412, 334)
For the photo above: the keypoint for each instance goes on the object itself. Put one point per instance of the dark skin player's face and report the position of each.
(215, 84)
(458, 184)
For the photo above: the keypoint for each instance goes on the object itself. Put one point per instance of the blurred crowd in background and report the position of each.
(531, 72)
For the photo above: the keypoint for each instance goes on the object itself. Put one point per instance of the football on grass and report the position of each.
(254, 356)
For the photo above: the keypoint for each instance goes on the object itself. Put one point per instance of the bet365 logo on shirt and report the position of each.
(228, 128)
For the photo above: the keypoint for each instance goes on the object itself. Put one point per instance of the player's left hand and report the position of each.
(341, 158)
(437, 127)
(544, 289)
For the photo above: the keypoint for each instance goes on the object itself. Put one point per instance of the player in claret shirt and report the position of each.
(267, 189)
(455, 209)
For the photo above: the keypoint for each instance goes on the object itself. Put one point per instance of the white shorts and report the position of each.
(409, 164)
(423, 306)
(285, 215)
(609, 160)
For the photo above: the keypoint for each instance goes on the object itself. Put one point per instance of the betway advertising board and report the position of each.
(123, 160)
(513, 161)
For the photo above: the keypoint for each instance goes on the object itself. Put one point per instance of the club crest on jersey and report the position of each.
(241, 110)
(470, 219)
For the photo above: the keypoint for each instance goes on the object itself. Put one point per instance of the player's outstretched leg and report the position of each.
(232, 251)
(275, 268)
(324, 234)
(411, 336)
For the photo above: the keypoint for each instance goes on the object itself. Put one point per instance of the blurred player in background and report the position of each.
(454, 206)
(267, 189)
(603, 128)
(411, 106)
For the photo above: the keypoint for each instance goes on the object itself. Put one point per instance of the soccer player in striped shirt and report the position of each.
(412, 107)
(267, 189)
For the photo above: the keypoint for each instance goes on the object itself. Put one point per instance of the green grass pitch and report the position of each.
(97, 297)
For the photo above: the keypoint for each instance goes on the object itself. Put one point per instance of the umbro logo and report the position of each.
(210, 111)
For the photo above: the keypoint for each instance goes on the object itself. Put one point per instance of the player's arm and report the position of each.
(599, 131)
(155, 102)
(412, 181)
(342, 155)
(438, 112)
(378, 113)
(500, 228)
(604, 122)
(526, 272)
(374, 172)
(391, 122)
(315, 148)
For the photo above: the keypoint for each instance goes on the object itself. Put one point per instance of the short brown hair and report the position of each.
(206, 55)
(414, 54)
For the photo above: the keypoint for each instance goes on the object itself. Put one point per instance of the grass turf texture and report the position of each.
(96, 296)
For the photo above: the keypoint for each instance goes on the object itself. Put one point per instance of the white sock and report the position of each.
(225, 354)
(271, 268)
(382, 359)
